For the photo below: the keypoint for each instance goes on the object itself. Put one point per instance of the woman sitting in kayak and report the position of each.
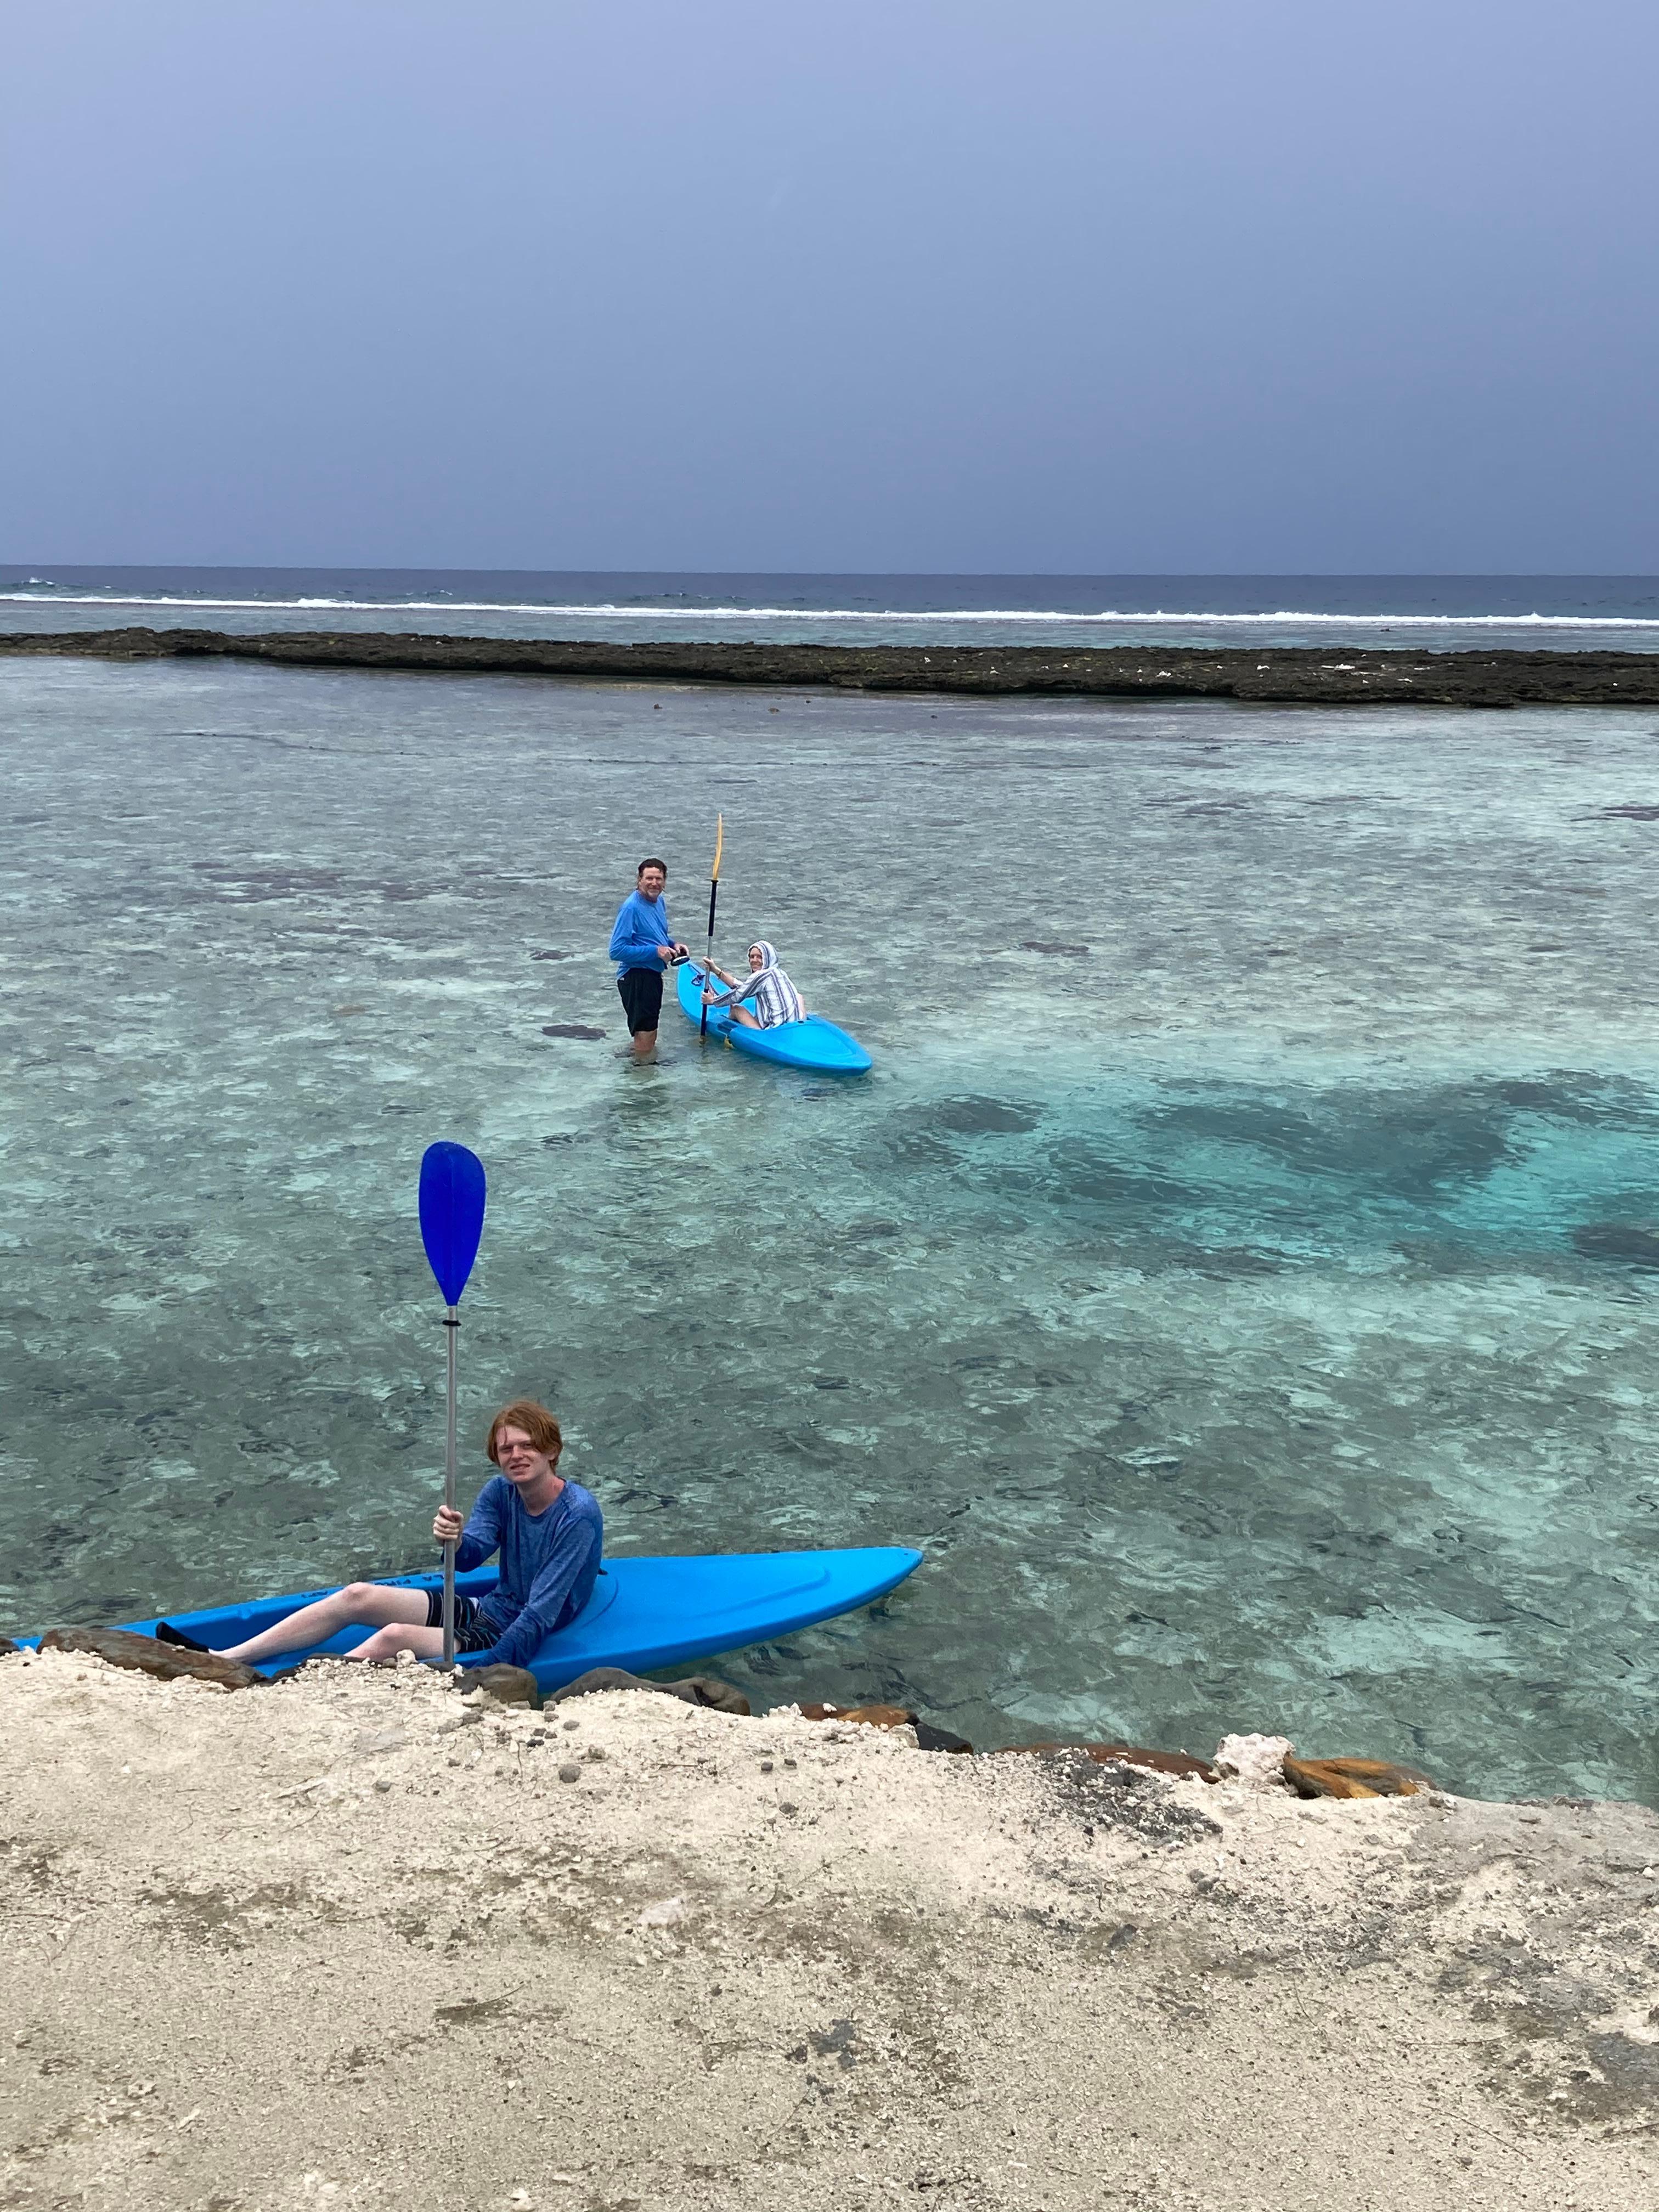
(549, 1532)
(773, 998)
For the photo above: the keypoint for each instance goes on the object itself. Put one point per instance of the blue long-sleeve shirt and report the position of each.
(548, 1563)
(642, 926)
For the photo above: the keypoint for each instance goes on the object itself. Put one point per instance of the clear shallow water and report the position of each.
(1243, 1311)
(1440, 613)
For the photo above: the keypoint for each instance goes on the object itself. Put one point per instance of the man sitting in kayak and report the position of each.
(549, 1532)
(772, 999)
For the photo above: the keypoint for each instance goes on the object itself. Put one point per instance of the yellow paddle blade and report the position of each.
(719, 847)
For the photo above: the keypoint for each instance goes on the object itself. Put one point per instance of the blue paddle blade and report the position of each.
(451, 1214)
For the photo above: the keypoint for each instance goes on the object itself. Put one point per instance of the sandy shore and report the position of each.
(351, 1942)
(1306, 676)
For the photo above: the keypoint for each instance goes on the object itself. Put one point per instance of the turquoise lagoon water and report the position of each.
(1244, 1301)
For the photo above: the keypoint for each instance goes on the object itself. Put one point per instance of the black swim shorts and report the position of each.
(641, 998)
(472, 1633)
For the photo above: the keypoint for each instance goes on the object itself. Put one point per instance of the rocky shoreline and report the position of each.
(355, 1940)
(1325, 676)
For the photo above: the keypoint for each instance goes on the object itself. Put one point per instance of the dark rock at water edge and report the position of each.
(690, 1690)
(167, 1662)
(929, 1738)
(1313, 675)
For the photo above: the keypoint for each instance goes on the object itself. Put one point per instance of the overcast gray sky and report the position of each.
(1044, 285)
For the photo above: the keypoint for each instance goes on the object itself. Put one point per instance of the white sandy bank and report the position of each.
(343, 1943)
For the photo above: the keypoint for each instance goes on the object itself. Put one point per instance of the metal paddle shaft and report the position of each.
(713, 894)
(451, 1324)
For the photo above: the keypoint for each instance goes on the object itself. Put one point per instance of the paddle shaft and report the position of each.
(713, 894)
(451, 1327)
(708, 965)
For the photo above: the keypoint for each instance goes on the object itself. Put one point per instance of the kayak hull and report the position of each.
(644, 1614)
(814, 1044)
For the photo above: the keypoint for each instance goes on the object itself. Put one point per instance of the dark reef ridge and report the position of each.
(1323, 676)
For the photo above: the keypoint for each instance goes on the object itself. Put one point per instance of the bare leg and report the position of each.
(367, 1605)
(645, 1044)
(402, 1636)
(743, 1015)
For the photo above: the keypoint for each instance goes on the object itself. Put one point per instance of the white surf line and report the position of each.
(606, 611)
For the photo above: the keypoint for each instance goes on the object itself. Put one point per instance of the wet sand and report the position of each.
(352, 1942)
(1329, 676)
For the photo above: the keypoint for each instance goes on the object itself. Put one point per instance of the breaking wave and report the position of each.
(658, 611)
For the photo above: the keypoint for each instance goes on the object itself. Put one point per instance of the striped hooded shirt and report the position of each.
(768, 994)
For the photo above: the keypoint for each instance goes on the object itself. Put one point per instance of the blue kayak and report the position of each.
(814, 1043)
(643, 1614)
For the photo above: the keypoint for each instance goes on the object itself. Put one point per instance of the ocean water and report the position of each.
(1442, 613)
(1238, 1274)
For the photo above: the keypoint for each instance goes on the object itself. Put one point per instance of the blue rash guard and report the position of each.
(642, 926)
(548, 1561)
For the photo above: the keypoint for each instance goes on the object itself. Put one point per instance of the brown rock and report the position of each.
(865, 1716)
(1353, 1777)
(168, 1662)
(928, 1738)
(508, 1685)
(709, 1690)
(1124, 1754)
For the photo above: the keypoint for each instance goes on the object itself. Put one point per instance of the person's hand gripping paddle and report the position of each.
(713, 894)
(451, 1222)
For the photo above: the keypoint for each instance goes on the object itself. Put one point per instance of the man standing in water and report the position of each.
(641, 947)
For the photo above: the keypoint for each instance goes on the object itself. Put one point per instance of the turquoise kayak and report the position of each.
(814, 1043)
(644, 1613)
